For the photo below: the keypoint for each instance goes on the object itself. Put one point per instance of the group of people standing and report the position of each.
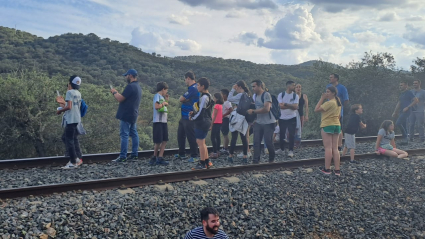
(240, 112)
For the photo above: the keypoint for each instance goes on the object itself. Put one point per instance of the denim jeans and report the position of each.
(128, 129)
(70, 138)
(76, 145)
(263, 131)
(417, 117)
(291, 125)
(187, 130)
(402, 123)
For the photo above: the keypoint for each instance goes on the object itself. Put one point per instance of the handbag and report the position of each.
(164, 109)
(80, 129)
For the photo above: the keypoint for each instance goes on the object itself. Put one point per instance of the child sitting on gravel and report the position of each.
(354, 123)
(385, 143)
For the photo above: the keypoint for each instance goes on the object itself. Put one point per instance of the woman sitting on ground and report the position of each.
(385, 143)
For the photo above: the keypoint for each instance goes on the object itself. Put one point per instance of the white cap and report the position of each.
(76, 81)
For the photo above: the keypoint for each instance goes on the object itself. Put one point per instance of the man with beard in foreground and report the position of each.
(210, 226)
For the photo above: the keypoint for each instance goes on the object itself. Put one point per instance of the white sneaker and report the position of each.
(266, 151)
(241, 155)
(70, 166)
(279, 151)
(291, 154)
(79, 162)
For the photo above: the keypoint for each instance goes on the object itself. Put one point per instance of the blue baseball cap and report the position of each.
(132, 72)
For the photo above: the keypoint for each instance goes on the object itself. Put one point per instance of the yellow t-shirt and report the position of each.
(331, 114)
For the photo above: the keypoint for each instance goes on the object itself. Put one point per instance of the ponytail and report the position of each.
(243, 85)
(338, 101)
(334, 90)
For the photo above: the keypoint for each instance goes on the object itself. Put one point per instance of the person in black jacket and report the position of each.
(354, 123)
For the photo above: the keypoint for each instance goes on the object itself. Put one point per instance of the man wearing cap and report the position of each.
(127, 113)
(71, 106)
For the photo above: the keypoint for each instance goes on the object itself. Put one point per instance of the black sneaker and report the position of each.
(161, 161)
(119, 160)
(152, 162)
(245, 161)
(354, 161)
(325, 171)
(132, 157)
(337, 172)
(200, 166)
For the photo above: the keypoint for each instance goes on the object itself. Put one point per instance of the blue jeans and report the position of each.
(127, 129)
(402, 123)
(417, 117)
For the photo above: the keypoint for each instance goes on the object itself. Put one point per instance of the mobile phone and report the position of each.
(111, 87)
(57, 92)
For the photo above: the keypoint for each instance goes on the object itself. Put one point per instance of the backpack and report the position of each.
(293, 95)
(83, 108)
(275, 109)
(246, 103)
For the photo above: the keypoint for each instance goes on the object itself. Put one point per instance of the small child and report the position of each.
(202, 120)
(217, 120)
(385, 143)
(160, 128)
(354, 122)
(227, 109)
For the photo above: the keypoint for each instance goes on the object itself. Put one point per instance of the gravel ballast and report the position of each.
(14, 178)
(378, 198)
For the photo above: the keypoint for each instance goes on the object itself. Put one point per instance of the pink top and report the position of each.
(219, 118)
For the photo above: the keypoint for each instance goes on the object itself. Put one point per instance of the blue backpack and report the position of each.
(83, 108)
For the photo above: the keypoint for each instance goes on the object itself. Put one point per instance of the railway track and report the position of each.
(107, 157)
(127, 182)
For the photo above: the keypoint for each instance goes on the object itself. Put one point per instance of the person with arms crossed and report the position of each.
(186, 127)
(210, 226)
(128, 111)
(418, 110)
(343, 97)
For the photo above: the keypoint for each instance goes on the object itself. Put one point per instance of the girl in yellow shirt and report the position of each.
(331, 128)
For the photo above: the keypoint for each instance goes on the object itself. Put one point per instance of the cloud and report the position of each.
(338, 5)
(232, 4)
(289, 57)
(415, 18)
(235, 14)
(415, 34)
(369, 37)
(195, 13)
(179, 20)
(187, 45)
(296, 30)
(389, 17)
(148, 41)
(248, 38)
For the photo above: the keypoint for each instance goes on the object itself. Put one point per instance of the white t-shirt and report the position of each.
(226, 106)
(286, 114)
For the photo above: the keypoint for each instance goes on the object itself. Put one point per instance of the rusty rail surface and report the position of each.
(150, 179)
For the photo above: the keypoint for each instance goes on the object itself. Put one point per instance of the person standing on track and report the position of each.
(202, 121)
(331, 128)
(186, 127)
(160, 127)
(210, 226)
(227, 109)
(302, 113)
(288, 103)
(241, 88)
(403, 109)
(385, 143)
(418, 110)
(128, 111)
(71, 119)
(265, 123)
(343, 97)
(217, 121)
(353, 125)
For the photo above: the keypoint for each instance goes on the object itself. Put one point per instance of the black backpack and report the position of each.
(275, 109)
(246, 103)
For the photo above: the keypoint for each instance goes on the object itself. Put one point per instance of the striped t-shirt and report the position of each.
(198, 233)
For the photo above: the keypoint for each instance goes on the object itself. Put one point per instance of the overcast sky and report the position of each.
(261, 31)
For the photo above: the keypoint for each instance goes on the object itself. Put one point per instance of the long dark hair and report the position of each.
(334, 90)
(386, 125)
(218, 98)
(243, 85)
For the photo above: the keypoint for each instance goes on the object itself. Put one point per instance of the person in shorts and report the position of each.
(385, 143)
(202, 121)
(227, 110)
(331, 128)
(354, 123)
(160, 128)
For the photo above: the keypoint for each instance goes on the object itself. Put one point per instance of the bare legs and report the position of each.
(330, 142)
(351, 153)
(396, 153)
(203, 151)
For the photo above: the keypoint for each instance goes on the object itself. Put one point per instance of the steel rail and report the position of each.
(107, 157)
(150, 179)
